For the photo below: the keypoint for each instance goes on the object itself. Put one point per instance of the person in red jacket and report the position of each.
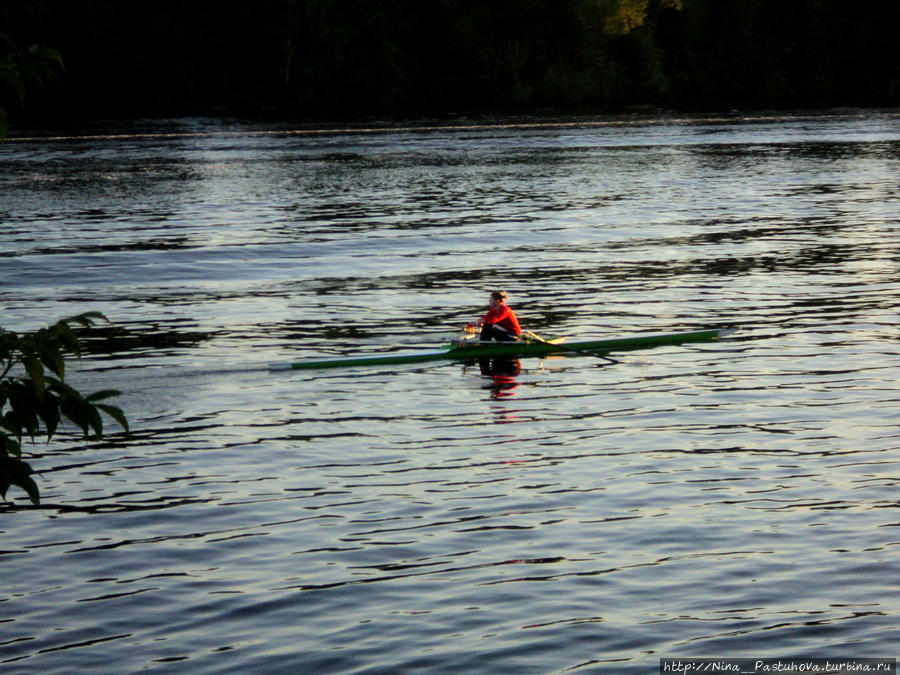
(500, 323)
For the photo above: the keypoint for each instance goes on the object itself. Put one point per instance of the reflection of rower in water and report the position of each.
(500, 323)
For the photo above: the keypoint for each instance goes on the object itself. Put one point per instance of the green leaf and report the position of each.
(68, 338)
(27, 483)
(48, 54)
(87, 318)
(16, 472)
(94, 420)
(75, 412)
(52, 358)
(49, 413)
(100, 395)
(63, 389)
(9, 345)
(36, 372)
(116, 414)
(10, 447)
(23, 416)
(5, 480)
(9, 73)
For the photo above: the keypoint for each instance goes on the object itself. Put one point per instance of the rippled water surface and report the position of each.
(725, 499)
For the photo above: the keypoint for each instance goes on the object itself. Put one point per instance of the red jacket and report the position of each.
(503, 317)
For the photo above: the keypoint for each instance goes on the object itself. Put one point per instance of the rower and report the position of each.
(500, 323)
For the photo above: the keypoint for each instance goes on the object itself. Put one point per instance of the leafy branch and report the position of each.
(22, 70)
(34, 397)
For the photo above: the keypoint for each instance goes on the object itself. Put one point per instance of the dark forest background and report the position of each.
(430, 57)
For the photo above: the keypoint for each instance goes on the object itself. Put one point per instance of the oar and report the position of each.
(562, 347)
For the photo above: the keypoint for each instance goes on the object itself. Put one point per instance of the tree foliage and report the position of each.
(34, 397)
(353, 57)
(22, 70)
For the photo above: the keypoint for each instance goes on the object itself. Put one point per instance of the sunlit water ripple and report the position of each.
(726, 499)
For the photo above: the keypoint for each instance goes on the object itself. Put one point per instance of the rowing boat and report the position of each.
(473, 349)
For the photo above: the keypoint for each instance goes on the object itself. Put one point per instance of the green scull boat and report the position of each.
(473, 349)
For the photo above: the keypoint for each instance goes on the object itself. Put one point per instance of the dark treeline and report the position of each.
(409, 57)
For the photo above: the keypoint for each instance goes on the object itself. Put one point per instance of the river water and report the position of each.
(737, 498)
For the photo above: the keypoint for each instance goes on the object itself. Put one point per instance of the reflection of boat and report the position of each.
(502, 367)
(500, 376)
(529, 346)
